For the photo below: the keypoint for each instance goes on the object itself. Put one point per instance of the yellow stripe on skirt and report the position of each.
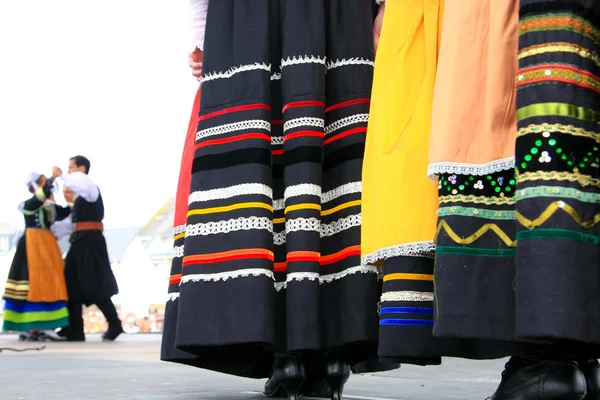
(46, 267)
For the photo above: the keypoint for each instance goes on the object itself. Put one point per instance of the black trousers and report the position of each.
(76, 318)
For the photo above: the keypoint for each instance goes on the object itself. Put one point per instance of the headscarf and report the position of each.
(31, 179)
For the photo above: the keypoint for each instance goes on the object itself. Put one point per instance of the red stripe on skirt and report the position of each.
(235, 109)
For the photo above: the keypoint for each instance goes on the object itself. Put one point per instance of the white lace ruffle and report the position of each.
(470, 169)
(294, 276)
(313, 276)
(286, 62)
(350, 61)
(224, 276)
(172, 296)
(415, 249)
(211, 76)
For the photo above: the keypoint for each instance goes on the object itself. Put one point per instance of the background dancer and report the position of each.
(35, 294)
(88, 273)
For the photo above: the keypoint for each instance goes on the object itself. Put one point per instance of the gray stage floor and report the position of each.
(130, 369)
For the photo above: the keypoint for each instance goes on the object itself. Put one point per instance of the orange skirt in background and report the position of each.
(46, 267)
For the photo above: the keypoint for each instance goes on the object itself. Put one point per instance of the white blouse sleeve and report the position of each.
(62, 228)
(198, 12)
(82, 185)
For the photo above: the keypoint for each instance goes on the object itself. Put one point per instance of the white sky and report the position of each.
(108, 80)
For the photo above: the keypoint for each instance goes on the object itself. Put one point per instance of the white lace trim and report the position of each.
(234, 127)
(301, 190)
(345, 189)
(224, 276)
(414, 249)
(314, 225)
(178, 251)
(350, 61)
(302, 224)
(407, 295)
(277, 140)
(313, 276)
(341, 225)
(286, 62)
(347, 121)
(304, 121)
(294, 276)
(172, 296)
(230, 225)
(178, 229)
(470, 169)
(230, 191)
(278, 204)
(211, 76)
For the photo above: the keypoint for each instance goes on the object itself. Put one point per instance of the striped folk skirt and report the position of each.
(519, 260)
(35, 294)
(271, 255)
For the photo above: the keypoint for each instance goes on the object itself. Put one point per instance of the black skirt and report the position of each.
(88, 273)
(18, 274)
(271, 256)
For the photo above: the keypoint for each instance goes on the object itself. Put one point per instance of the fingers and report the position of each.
(197, 72)
(195, 65)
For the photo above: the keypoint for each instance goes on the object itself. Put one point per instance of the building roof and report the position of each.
(117, 241)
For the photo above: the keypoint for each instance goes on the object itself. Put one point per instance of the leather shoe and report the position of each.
(531, 379)
(591, 371)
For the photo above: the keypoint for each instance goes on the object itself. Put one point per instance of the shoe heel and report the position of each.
(337, 388)
(337, 372)
(292, 386)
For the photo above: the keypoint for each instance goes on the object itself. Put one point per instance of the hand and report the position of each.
(377, 25)
(195, 61)
(56, 172)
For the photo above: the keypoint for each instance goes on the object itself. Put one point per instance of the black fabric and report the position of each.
(85, 211)
(88, 271)
(110, 312)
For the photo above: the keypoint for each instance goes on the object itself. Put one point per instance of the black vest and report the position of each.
(85, 211)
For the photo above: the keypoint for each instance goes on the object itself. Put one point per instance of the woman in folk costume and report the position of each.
(270, 281)
(35, 294)
(518, 255)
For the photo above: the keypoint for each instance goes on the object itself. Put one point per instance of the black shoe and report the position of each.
(28, 337)
(63, 332)
(311, 387)
(529, 379)
(288, 374)
(337, 372)
(112, 333)
(591, 371)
